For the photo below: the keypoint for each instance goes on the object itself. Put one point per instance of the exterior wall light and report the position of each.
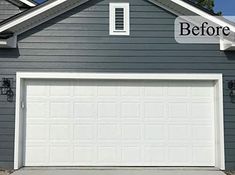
(6, 88)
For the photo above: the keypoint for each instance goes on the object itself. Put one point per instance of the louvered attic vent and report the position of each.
(119, 19)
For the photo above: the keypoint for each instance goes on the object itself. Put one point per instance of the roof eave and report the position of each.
(29, 3)
(6, 35)
(9, 42)
(226, 45)
(23, 3)
(39, 10)
(18, 4)
(38, 15)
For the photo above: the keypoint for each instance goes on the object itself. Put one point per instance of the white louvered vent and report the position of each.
(119, 19)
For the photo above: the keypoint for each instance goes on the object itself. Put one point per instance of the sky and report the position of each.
(226, 6)
(39, 1)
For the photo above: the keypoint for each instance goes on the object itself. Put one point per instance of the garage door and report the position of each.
(119, 123)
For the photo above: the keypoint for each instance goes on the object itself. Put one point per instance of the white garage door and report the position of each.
(119, 123)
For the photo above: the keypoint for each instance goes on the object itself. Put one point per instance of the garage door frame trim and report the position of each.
(217, 78)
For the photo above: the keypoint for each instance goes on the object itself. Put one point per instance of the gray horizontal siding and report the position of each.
(95, 59)
(121, 53)
(7, 10)
(79, 41)
(105, 40)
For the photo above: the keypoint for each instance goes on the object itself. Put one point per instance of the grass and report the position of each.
(230, 172)
(5, 172)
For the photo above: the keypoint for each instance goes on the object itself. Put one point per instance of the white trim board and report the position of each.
(30, 15)
(217, 78)
(227, 45)
(112, 17)
(23, 3)
(30, 4)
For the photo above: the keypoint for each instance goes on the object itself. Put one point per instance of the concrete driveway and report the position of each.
(117, 171)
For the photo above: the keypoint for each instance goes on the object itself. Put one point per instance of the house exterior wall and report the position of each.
(79, 41)
(7, 10)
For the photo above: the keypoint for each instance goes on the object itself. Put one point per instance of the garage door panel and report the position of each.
(60, 132)
(179, 155)
(177, 91)
(110, 91)
(60, 154)
(108, 131)
(60, 91)
(131, 131)
(37, 154)
(178, 110)
(130, 109)
(84, 131)
(130, 91)
(42, 134)
(153, 91)
(155, 132)
(202, 90)
(37, 91)
(84, 154)
(131, 154)
(37, 109)
(200, 132)
(199, 154)
(107, 154)
(84, 109)
(119, 123)
(107, 109)
(154, 110)
(150, 153)
(84, 91)
(61, 109)
(202, 110)
(178, 132)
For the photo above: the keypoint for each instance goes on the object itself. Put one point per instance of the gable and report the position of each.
(92, 20)
(7, 10)
(79, 40)
(84, 32)
(41, 13)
